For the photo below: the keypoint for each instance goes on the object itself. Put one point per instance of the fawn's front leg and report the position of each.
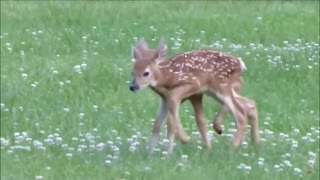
(162, 115)
(174, 124)
(173, 106)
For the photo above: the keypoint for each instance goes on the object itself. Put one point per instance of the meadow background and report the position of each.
(67, 112)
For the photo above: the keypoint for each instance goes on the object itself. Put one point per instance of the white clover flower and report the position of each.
(69, 155)
(312, 155)
(247, 169)
(305, 138)
(10, 151)
(84, 65)
(37, 143)
(64, 146)
(283, 136)
(95, 107)
(5, 142)
(311, 140)
(297, 171)
(115, 157)
(260, 163)
(108, 162)
(39, 177)
(294, 144)
(287, 155)
(245, 155)
(277, 168)
(24, 75)
(114, 132)
(287, 163)
(311, 163)
(164, 153)
(81, 115)
(184, 157)
(114, 148)
(59, 140)
(132, 148)
(241, 166)
(296, 131)
(77, 68)
(130, 140)
(244, 144)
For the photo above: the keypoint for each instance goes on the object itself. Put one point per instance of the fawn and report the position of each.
(189, 76)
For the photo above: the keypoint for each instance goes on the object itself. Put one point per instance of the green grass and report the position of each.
(43, 42)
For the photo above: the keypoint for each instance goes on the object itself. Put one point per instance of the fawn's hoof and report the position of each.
(217, 128)
(185, 140)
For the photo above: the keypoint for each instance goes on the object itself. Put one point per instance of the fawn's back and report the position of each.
(205, 67)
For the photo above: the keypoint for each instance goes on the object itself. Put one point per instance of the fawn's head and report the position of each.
(146, 64)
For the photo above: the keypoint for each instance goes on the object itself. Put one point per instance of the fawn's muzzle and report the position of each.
(134, 87)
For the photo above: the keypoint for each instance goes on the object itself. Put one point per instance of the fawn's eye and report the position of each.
(145, 74)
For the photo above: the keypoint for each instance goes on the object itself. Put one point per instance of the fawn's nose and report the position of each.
(133, 87)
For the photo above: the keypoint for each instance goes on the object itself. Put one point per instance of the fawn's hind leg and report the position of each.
(217, 120)
(252, 113)
(196, 101)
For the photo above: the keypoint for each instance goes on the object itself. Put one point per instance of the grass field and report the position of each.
(67, 112)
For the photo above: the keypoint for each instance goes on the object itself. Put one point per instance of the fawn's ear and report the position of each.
(136, 54)
(139, 48)
(142, 44)
(161, 52)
